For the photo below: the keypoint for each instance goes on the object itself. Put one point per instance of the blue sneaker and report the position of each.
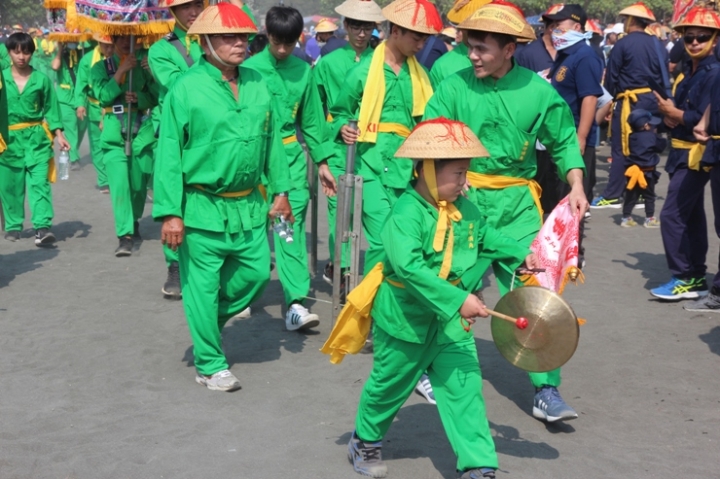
(366, 457)
(550, 407)
(677, 289)
(600, 202)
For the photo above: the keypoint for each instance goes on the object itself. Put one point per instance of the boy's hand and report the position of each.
(472, 308)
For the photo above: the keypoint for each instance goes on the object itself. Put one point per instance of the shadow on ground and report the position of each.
(712, 339)
(20, 262)
(652, 266)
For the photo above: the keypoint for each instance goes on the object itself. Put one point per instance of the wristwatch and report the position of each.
(282, 193)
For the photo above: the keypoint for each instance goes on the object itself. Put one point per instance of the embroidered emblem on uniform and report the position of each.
(295, 110)
(560, 75)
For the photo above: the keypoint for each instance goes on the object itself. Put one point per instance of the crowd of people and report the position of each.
(472, 127)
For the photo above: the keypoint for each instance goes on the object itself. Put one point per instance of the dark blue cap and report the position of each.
(639, 117)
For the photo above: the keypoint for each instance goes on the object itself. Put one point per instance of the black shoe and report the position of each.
(44, 237)
(75, 166)
(171, 289)
(12, 236)
(105, 190)
(125, 247)
(136, 231)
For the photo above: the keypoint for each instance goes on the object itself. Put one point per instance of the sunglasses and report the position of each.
(702, 38)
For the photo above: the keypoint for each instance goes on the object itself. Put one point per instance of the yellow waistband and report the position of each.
(65, 86)
(628, 97)
(93, 101)
(289, 139)
(695, 154)
(22, 126)
(230, 194)
(397, 284)
(498, 182)
(398, 128)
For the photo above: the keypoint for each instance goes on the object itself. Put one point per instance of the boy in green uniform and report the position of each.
(299, 108)
(519, 108)
(127, 178)
(394, 89)
(65, 65)
(169, 58)
(87, 107)
(29, 156)
(361, 18)
(220, 136)
(433, 240)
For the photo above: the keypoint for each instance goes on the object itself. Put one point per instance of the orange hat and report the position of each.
(417, 15)
(700, 17)
(638, 10)
(325, 26)
(449, 32)
(222, 18)
(503, 17)
(593, 26)
(462, 9)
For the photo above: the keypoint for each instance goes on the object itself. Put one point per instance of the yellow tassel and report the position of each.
(116, 28)
(529, 280)
(56, 4)
(65, 37)
(574, 274)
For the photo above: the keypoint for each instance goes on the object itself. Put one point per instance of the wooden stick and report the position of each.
(521, 323)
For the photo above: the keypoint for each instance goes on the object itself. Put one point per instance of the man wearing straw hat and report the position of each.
(88, 107)
(433, 241)
(323, 31)
(394, 89)
(519, 108)
(361, 18)
(299, 109)
(209, 164)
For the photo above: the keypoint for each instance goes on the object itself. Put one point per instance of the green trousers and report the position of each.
(170, 255)
(128, 188)
(291, 258)
(12, 193)
(332, 222)
(74, 130)
(454, 372)
(96, 152)
(221, 274)
(378, 200)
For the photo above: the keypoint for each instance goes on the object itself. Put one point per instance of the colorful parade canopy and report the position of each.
(124, 17)
(63, 22)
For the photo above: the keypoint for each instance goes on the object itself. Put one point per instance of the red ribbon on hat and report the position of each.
(432, 17)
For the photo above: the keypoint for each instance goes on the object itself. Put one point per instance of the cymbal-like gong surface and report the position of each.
(552, 334)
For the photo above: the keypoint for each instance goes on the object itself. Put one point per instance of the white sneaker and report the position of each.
(220, 381)
(298, 317)
(244, 314)
(424, 388)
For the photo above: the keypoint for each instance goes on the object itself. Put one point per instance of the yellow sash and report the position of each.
(398, 128)
(65, 86)
(231, 194)
(3, 145)
(96, 56)
(628, 97)
(679, 78)
(289, 139)
(695, 154)
(52, 174)
(636, 176)
(374, 94)
(94, 101)
(73, 58)
(498, 182)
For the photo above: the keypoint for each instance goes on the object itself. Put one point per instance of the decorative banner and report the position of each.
(680, 8)
(124, 17)
(63, 23)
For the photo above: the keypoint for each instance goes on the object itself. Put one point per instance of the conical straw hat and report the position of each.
(325, 26)
(700, 17)
(638, 10)
(462, 9)
(173, 3)
(593, 26)
(449, 32)
(417, 15)
(100, 38)
(222, 18)
(500, 17)
(361, 10)
(441, 139)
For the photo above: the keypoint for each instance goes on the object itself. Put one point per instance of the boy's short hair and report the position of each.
(285, 24)
(258, 43)
(21, 41)
(501, 39)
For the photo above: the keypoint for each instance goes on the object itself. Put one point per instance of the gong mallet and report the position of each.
(520, 323)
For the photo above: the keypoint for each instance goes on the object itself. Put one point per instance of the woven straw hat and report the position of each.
(449, 32)
(441, 139)
(700, 17)
(417, 15)
(100, 38)
(638, 10)
(361, 10)
(222, 18)
(593, 26)
(325, 26)
(463, 9)
(500, 17)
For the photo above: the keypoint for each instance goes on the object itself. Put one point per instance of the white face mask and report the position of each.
(563, 39)
(72, 45)
(321, 44)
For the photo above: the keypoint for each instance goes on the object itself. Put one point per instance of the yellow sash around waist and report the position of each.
(628, 97)
(289, 139)
(229, 194)
(398, 128)
(65, 86)
(52, 174)
(93, 101)
(499, 182)
(636, 176)
(397, 284)
(695, 154)
(3, 145)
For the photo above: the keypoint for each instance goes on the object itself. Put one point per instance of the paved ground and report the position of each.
(97, 376)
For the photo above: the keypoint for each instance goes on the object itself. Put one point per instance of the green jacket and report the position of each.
(451, 62)
(83, 88)
(5, 61)
(66, 84)
(3, 109)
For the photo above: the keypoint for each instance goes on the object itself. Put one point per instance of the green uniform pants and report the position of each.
(12, 194)
(291, 258)
(454, 372)
(128, 188)
(96, 152)
(332, 222)
(170, 255)
(74, 130)
(378, 200)
(221, 274)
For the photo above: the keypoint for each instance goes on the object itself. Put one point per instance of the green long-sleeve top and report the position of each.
(377, 160)
(407, 312)
(452, 62)
(5, 61)
(508, 115)
(37, 102)
(3, 109)
(66, 84)
(299, 108)
(83, 88)
(224, 145)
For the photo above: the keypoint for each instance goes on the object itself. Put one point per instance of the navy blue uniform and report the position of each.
(712, 158)
(645, 149)
(534, 56)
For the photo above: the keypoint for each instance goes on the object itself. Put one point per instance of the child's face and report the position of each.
(647, 127)
(451, 177)
(19, 58)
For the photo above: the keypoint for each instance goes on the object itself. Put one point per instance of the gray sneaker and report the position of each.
(707, 304)
(479, 473)
(220, 381)
(424, 388)
(366, 457)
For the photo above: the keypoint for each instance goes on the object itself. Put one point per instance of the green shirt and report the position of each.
(406, 313)
(210, 139)
(83, 88)
(66, 80)
(3, 109)
(30, 146)
(5, 61)
(299, 107)
(377, 161)
(452, 62)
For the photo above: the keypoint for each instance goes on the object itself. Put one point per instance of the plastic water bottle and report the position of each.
(63, 165)
(283, 229)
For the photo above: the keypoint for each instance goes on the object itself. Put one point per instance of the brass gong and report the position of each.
(552, 334)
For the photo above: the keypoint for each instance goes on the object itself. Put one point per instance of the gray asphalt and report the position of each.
(98, 382)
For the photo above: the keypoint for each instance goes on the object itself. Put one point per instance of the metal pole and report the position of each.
(313, 186)
(128, 113)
